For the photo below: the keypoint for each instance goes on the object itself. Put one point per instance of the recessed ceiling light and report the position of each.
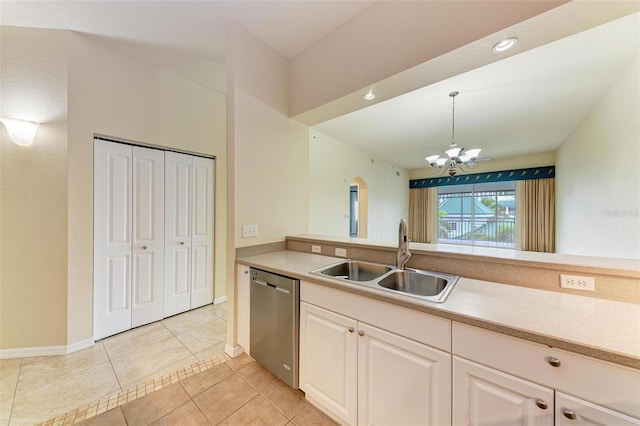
(369, 95)
(505, 44)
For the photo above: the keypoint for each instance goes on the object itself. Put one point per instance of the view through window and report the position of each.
(480, 214)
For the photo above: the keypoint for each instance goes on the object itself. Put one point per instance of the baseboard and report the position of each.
(233, 351)
(45, 350)
(219, 300)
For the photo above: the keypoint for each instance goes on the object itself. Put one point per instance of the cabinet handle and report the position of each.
(570, 414)
(351, 329)
(144, 247)
(553, 361)
(246, 272)
(360, 333)
(181, 243)
(542, 404)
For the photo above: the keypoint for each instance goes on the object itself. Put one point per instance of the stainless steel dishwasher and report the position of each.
(274, 323)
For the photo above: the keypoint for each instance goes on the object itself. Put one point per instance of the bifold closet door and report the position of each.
(188, 232)
(128, 237)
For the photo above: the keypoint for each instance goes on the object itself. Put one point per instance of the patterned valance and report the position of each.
(501, 176)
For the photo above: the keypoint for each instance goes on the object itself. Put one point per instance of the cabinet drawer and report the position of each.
(424, 328)
(601, 382)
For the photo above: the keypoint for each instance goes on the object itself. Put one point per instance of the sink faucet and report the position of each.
(404, 254)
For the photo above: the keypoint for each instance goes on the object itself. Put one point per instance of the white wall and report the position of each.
(333, 164)
(598, 178)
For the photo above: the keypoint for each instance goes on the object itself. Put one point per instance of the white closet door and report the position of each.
(112, 238)
(178, 216)
(148, 236)
(202, 232)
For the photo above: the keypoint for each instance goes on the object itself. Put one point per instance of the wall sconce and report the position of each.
(21, 132)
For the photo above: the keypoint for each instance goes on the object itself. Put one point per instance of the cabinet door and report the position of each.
(202, 232)
(572, 411)
(400, 381)
(328, 357)
(112, 238)
(244, 283)
(178, 217)
(484, 396)
(147, 277)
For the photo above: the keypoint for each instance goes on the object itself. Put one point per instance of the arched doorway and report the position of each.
(358, 208)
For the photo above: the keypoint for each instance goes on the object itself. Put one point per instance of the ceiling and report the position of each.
(527, 103)
(524, 104)
(187, 37)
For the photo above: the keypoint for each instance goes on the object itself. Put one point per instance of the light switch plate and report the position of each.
(249, 231)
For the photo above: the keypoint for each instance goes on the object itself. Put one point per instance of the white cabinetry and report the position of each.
(360, 373)
(592, 391)
(188, 233)
(484, 396)
(244, 305)
(128, 237)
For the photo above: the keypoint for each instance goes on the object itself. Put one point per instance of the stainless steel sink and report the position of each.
(424, 285)
(419, 283)
(354, 270)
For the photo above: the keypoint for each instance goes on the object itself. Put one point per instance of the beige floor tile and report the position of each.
(286, 399)
(205, 335)
(258, 411)
(150, 361)
(152, 407)
(186, 414)
(5, 410)
(239, 361)
(64, 394)
(310, 415)
(135, 340)
(258, 376)
(221, 400)
(213, 350)
(220, 310)
(36, 372)
(180, 364)
(9, 370)
(191, 319)
(112, 417)
(199, 383)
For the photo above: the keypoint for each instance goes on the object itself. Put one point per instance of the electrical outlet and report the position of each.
(316, 249)
(249, 231)
(341, 252)
(577, 283)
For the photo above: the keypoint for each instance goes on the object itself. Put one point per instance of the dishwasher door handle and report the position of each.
(266, 284)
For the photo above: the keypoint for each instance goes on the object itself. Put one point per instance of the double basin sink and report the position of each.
(424, 285)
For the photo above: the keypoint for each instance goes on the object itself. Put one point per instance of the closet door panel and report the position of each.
(148, 236)
(178, 228)
(112, 238)
(202, 232)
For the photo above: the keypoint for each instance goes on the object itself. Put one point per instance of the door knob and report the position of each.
(144, 247)
(181, 243)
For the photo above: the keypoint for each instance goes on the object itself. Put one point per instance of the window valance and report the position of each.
(500, 176)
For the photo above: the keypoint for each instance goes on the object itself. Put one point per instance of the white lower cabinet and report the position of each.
(361, 374)
(483, 396)
(571, 411)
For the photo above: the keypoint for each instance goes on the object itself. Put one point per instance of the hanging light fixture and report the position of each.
(457, 158)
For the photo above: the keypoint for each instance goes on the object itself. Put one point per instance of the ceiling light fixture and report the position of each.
(21, 132)
(369, 95)
(504, 45)
(457, 158)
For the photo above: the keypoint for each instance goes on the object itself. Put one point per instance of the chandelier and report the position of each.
(457, 158)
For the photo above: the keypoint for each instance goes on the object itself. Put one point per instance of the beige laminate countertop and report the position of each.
(603, 329)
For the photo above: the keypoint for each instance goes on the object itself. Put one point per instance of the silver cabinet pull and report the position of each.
(360, 333)
(570, 414)
(553, 361)
(246, 272)
(181, 243)
(351, 329)
(144, 247)
(542, 404)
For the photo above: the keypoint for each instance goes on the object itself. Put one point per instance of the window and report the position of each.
(478, 214)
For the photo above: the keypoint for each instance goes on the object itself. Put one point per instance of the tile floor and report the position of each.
(35, 389)
(234, 392)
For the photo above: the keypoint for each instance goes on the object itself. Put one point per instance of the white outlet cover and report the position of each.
(341, 252)
(316, 249)
(576, 282)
